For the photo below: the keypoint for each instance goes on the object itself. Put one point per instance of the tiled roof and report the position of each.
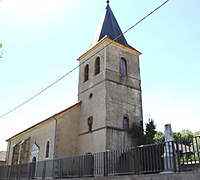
(2, 155)
(71, 107)
(110, 28)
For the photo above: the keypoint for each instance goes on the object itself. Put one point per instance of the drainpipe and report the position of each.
(106, 129)
(55, 131)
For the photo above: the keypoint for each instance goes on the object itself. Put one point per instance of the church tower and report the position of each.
(109, 89)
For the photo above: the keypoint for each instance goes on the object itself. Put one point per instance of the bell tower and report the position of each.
(109, 88)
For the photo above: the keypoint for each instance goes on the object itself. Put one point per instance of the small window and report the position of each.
(90, 122)
(86, 73)
(90, 96)
(97, 66)
(47, 149)
(125, 122)
(123, 67)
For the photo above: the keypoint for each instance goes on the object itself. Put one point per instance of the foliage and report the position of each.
(196, 133)
(150, 132)
(159, 137)
(197, 140)
(188, 158)
(184, 137)
(176, 135)
(151, 136)
(186, 133)
(136, 132)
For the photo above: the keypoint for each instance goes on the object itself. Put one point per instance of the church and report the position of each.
(109, 102)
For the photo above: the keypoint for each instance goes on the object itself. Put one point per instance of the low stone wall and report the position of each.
(193, 175)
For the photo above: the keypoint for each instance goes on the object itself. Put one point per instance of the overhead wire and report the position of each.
(25, 102)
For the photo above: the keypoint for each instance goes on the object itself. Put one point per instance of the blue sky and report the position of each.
(43, 38)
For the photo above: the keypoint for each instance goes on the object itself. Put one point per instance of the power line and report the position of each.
(82, 62)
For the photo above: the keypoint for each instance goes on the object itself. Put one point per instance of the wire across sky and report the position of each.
(69, 72)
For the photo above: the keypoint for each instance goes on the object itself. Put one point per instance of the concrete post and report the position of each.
(168, 150)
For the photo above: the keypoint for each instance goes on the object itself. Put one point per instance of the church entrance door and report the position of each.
(34, 155)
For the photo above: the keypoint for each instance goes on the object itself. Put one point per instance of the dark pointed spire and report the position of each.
(110, 28)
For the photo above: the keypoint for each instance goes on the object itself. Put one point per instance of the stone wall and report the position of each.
(108, 97)
(93, 142)
(67, 139)
(170, 176)
(39, 135)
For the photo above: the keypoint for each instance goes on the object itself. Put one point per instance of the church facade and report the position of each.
(109, 102)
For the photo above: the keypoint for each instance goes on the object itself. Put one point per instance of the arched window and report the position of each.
(47, 149)
(123, 67)
(86, 73)
(125, 122)
(97, 66)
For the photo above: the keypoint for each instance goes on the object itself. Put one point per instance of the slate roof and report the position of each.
(110, 28)
(3, 156)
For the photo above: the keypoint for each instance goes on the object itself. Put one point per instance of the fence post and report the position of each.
(178, 156)
(80, 166)
(60, 168)
(174, 157)
(18, 167)
(135, 160)
(106, 163)
(29, 169)
(9, 171)
(43, 169)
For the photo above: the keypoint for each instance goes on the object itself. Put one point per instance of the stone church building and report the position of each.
(109, 101)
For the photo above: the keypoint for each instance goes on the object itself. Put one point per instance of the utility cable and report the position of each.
(82, 62)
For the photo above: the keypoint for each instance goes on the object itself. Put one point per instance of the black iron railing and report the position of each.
(179, 155)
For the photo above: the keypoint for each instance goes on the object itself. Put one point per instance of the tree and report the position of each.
(184, 137)
(176, 135)
(186, 133)
(136, 132)
(150, 131)
(159, 137)
(141, 137)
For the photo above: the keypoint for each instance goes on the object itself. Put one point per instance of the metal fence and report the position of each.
(180, 155)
